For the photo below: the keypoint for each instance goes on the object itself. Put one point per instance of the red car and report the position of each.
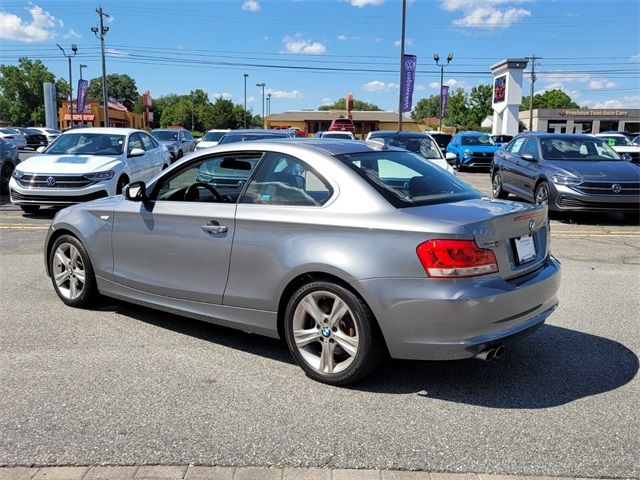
(342, 125)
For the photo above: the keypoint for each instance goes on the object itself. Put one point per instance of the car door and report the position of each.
(527, 169)
(154, 152)
(178, 243)
(138, 166)
(508, 158)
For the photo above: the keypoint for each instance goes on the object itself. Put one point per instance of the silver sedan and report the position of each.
(349, 252)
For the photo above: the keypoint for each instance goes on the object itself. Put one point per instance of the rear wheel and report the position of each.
(542, 193)
(71, 272)
(180, 154)
(30, 209)
(496, 181)
(332, 334)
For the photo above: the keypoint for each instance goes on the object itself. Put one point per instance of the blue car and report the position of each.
(471, 149)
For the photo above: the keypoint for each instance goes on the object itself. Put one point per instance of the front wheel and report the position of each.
(122, 182)
(71, 272)
(542, 193)
(498, 190)
(332, 334)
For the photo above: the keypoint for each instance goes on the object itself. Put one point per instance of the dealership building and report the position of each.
(583, 120)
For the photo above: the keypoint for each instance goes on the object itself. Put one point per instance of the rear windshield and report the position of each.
(442, 139)
(407, 180)
(212, 136)
(577, 149)
(88, 144)
(477, 140)
(617, 141)
(422, 145)
(337, 135)
(344, 121)
(247, 137)
(165, 135)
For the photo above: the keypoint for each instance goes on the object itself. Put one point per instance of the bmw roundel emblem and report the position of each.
(616, 188)
(51, 181)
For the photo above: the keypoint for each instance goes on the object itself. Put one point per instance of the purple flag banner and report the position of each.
(444, 96)
(83, 85)
(407, 81)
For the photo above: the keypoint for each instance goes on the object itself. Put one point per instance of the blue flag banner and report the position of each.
(83, 85)
(407, 81)
(444, 96)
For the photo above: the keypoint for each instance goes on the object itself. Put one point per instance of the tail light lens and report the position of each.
(456, 258)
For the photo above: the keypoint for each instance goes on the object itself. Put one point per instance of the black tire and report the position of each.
(123, 181)
(370, 348)
(5, 176)
(89, 291)
(30, 209)
(497, 188)
(180, 154)
(541, 195)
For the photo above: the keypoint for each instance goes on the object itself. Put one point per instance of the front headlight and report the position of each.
(17, 174)
(467, 153)
(565, 180)
(99, 176)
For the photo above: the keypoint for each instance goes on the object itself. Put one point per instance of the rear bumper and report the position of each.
(439, 319)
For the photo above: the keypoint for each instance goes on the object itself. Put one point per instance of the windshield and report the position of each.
(406, 180)
(615, 141)
(577, 149)
(426, 147)
(477, 140)
(165, 135)
(337, 135)
(87, 144)
(442, 139)
(247, 137)
(212, 136)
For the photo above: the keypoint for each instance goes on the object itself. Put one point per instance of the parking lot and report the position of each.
(126, 385)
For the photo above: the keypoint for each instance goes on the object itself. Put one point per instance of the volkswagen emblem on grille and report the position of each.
(51, 181)
(532, 225)
(616, 188)
(484, 154)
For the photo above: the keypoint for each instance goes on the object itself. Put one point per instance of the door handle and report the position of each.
(214, 227)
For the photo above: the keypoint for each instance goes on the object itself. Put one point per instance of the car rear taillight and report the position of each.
(456, 258)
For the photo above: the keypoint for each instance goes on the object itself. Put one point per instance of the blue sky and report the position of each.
(313, 52)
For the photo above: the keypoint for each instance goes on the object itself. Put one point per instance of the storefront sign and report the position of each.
(500, 89)
(593, 113)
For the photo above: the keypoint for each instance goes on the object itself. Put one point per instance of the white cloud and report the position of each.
(251, 6)
(292, 95)
(116, 53)
(407, 41)
(225, 95)
(452, 82)
(601, 83)
(326, 101)
(635, 58)
(72, 34)
(342, 37)
(364, 3)
(251, 98)
(40, 28)
(298, 44)
(420, 87)
(485, 14)
(558, 80)
(378, 86)
(632, 101)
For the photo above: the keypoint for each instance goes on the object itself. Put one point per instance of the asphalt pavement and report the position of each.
(126, 385)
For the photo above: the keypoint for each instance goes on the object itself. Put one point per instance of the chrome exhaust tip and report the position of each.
(487, 354)
(499, 353)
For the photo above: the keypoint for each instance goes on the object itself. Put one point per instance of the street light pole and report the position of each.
(74, 49)
(436, 57)
(268, 104)
(81, 113)
(245, 100)
(263, 119)
(102, 31)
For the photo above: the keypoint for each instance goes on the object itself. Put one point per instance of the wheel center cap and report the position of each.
(325, 332)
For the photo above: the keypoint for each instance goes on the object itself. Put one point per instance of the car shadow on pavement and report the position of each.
(552, 367)
(594, 218)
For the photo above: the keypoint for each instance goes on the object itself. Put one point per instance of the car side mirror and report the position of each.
(528, 157)
(136, 192)
(136, 152)
(40, 149)
(451, 156)
(627, 157)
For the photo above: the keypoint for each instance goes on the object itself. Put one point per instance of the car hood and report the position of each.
(72, 164)
(480, 148)
(597, 171)
(168, 143)
(627, 148)
(203, 144)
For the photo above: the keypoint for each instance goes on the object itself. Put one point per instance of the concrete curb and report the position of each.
(192, 472)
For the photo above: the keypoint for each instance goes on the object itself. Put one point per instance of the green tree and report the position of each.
(62, 90)
(457, 109)
(121, 87)
(178, 113)
(480, 105)
(426, 107)
(21, 92)
(358, 105)
(555, 98)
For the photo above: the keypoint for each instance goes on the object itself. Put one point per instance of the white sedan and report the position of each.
(86, 164)
(210, 138)
(14, 137)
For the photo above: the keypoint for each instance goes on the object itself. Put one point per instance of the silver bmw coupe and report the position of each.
(349, 251)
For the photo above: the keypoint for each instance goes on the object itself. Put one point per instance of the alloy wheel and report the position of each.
(68, 271)
(325, 332)
(542, 193)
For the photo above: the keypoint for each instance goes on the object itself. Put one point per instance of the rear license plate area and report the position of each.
(525, 249)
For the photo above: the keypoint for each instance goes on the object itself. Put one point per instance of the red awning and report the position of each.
(79, 118)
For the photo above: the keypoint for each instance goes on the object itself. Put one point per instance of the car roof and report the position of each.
(610, 134)
(473, 133)
(380, 133)
(105, 130)
(558, 136)
(218, 130)
(258, 131)
(168, 129)
(328, 146)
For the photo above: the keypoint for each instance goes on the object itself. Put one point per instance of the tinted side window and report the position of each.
(515, 147)
(531, 147)
(147, 141)
(285, 180)
(134, 142)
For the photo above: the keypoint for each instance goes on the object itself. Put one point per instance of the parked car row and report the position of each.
(31, 137)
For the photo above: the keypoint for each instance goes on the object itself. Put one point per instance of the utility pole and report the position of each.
(263, 119)
(245, 100)
(268, 104)
(404, 16)
(533, 59)
(74, 49)
(82, 113)
(192, 107)
(102, 31)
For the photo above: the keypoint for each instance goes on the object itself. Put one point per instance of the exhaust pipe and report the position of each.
(491, 353)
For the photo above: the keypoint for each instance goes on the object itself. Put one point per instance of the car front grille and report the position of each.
(29, 180)
(570, 202)
(481, 158)
(607, 188)
(53, 200)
